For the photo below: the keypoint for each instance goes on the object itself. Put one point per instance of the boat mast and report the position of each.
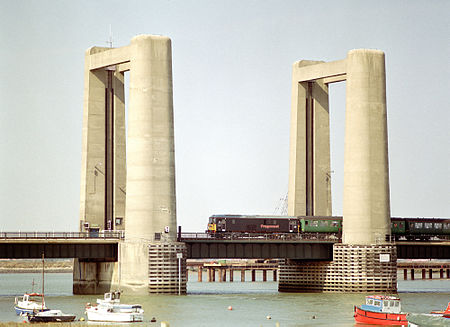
(43, 268)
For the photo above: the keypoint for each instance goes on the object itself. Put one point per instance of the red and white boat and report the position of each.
(381, 310)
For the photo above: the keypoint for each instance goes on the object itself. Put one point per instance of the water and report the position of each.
(207, 303)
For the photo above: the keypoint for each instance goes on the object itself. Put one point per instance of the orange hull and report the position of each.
(380, 318)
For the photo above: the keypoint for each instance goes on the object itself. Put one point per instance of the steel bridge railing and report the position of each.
(287, 237)
(116, 235)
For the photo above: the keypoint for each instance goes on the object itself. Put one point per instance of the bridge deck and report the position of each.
(104, 247)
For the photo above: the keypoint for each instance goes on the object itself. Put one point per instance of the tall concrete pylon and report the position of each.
(148, 256)
(366, 217)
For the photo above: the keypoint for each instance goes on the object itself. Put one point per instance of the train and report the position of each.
(410, 229)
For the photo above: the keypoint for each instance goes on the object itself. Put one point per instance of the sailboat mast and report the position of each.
(43, 268)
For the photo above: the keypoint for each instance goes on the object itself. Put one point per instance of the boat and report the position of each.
(109, 309)
(30, 302)
(51, 316)
(434, 318)
(381, 310)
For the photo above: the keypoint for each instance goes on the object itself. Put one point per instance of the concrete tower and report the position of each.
(148, 259)
(365, 261)
(366, 206)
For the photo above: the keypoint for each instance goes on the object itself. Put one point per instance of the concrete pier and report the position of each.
(364, 258)
(138, 196)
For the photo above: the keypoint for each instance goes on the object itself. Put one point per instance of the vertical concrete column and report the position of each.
(264, 275)
(441, 273)
(243, 275)
(150, 203)
(231, 275)
(253, 275)
(366, 207)
(92, 193)
(213, 274)
(220, 271)
(430, 273)
(423, 274)
(208, 275)
(309, 158)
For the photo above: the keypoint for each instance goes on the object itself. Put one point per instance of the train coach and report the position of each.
(420, 229)
(413, 229)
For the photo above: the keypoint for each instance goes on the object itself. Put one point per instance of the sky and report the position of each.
(232, 70)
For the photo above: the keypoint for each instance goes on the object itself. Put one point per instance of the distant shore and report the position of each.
(8, 266)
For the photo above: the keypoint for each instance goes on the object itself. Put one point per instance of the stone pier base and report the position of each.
(355, 268)
(94, 277)
(164, 277)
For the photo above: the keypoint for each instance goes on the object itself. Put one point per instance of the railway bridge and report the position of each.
(105, 247)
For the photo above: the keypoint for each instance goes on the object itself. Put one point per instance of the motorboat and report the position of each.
(381, 310)
(109, 309)
(434, 318)
(30, 303)
(51, 316)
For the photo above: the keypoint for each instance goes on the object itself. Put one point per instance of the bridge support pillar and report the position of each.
(243, 275)
(200, 274)
(353, 269)
(94, 277)
(231, 274)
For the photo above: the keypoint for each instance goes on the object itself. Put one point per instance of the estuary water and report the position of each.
(207, 303)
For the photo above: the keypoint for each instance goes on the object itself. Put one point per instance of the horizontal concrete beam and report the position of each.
(110, 57)
(314, 72)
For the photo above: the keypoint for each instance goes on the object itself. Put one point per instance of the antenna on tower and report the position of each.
(110, 40)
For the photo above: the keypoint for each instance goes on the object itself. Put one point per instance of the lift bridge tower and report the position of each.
(128, 182)
(365, 261)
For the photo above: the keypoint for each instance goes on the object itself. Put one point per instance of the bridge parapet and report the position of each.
(116, 235)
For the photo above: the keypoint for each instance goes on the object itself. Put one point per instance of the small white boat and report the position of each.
(109, 309)
(30, 303)
(51, 316)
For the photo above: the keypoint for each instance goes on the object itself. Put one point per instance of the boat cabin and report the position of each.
(110, 297)
(382, 303)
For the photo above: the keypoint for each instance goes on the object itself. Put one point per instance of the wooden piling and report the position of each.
(243, 275)
(274, 275)
(430, 273)
(253, 275)
(264, 275)
(231, 275)
(423, 274)
(200, 274)
(405, 274)
(412, 274)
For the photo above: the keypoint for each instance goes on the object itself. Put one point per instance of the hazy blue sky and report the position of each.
(232, 87)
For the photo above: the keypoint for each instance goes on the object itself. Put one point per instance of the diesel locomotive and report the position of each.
(415, 229)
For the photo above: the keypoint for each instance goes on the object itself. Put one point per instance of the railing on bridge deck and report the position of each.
(61, 235)
(287, 237)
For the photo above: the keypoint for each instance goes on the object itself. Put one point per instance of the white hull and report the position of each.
(100, 315)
